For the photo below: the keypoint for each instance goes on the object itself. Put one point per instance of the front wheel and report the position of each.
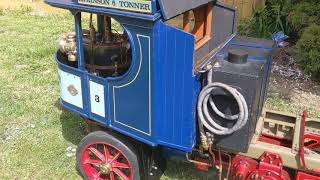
(101, 155)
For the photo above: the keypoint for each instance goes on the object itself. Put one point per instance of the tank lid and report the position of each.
(237, 56)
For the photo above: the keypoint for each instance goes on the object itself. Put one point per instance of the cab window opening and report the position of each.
(106, 46)
(197, 21)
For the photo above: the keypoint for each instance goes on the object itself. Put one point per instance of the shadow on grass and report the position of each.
(74, 129)
(73, 126)
(187, 171)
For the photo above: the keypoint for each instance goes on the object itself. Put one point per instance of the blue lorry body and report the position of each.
(155, 101)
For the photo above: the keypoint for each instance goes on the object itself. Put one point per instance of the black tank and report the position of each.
(244, 65)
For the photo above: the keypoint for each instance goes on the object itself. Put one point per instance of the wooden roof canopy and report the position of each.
(172, 8)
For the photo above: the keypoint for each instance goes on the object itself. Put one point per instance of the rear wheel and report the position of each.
(101, 155)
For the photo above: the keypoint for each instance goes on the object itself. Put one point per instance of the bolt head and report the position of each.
(239, 176)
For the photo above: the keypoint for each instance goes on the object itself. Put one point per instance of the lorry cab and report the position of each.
(145, 74)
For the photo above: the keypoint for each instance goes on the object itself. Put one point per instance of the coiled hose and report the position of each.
(206, 120)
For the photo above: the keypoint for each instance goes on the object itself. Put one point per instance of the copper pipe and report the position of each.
(108, 36)
(197, 162)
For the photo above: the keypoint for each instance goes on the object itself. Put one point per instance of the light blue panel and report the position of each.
(71, 89)
(97, 99)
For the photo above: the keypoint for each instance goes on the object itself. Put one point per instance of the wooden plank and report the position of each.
(245, 7)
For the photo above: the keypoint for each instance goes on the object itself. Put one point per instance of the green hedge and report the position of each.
(308, 48)
(304, 14)
(300, 19)
(273, 18)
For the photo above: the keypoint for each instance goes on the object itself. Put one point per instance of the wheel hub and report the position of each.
(105, 168)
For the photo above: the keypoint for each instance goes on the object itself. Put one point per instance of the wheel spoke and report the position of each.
(120, 173)
(92, 161)
(97, 176)
(97, 153)
(115, 157)
(106, 152)
(117, 164)
(112, 176)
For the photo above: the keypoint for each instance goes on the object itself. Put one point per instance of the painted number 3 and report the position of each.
(97, 98)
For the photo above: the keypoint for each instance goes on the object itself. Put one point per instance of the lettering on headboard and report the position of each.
(144, 6)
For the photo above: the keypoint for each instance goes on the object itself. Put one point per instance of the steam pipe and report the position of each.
(101, 25)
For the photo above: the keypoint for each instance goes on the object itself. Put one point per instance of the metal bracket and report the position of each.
(304, 176)
(304, 136)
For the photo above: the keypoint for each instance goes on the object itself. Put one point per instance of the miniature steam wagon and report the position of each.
(171, 78)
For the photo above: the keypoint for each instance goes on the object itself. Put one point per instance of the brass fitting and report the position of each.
(204, 142)
(68, 46)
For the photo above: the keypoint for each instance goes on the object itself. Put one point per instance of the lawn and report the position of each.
(37, 138)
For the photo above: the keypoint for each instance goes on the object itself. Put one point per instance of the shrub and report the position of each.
(304, 14)
(308, 48)
(273, 18)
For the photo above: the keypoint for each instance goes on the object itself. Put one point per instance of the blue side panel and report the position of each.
(131, 95)
(121, 103)
(155, 101)
(175, 88)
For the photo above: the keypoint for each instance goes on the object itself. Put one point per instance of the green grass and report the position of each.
(277, 102)
(34, 132)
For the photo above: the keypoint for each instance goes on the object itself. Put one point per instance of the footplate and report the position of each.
(290, 136)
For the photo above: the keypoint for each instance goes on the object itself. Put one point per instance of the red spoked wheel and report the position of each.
(102, 156)
(103, 161)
